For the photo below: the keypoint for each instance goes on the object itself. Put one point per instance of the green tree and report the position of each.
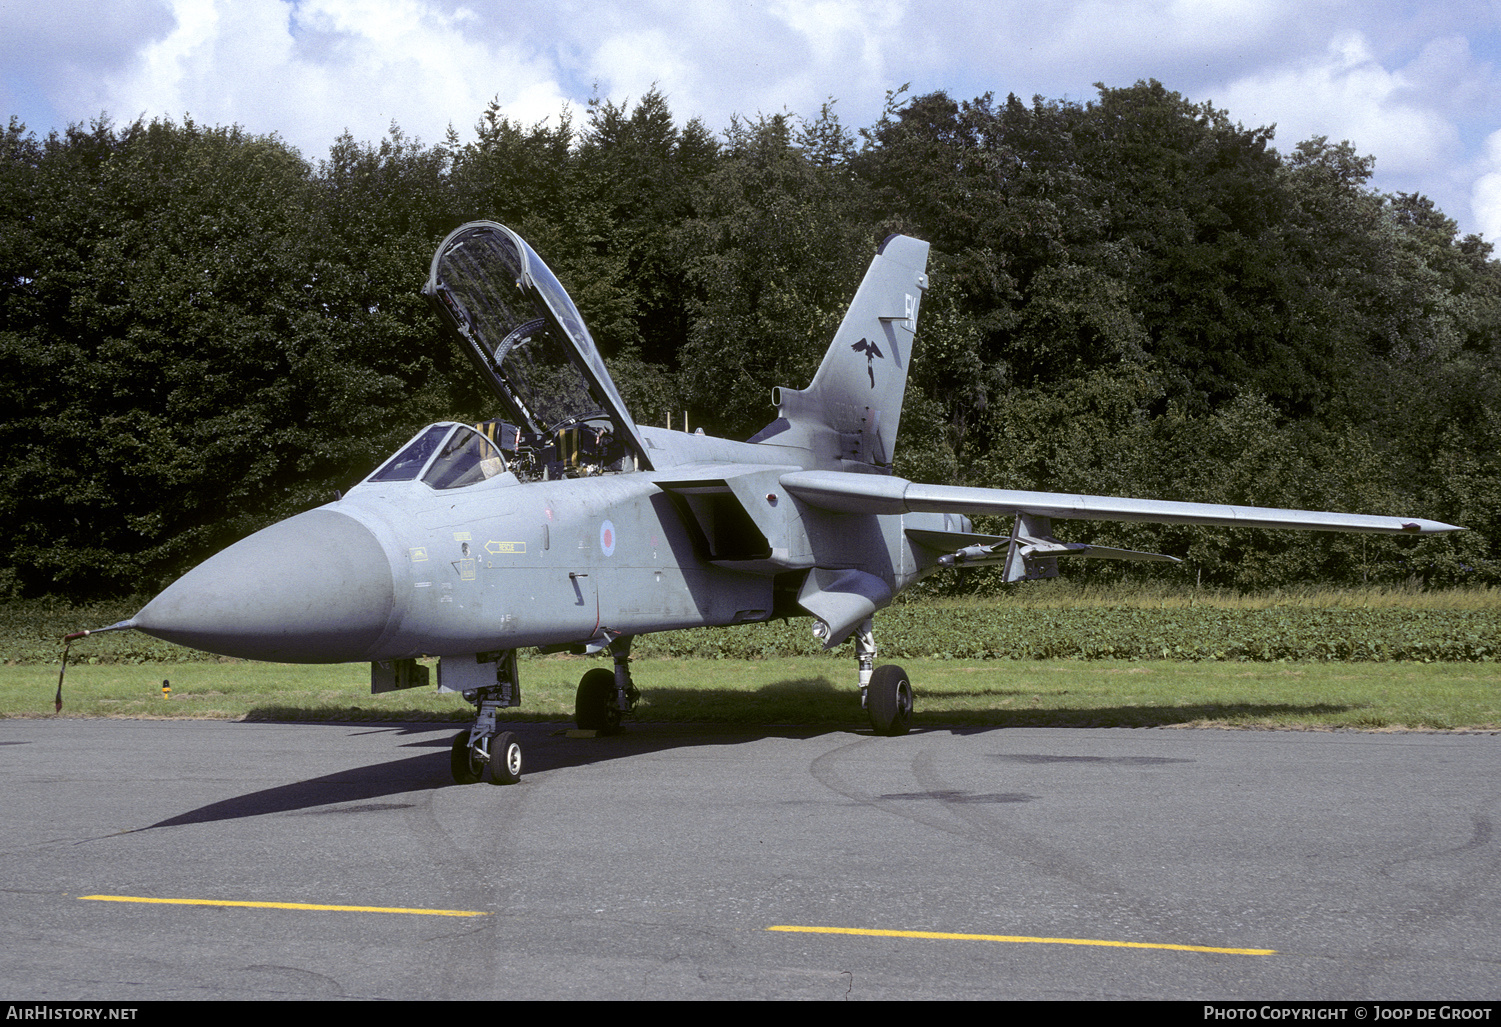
(773, 255)
(198, 340)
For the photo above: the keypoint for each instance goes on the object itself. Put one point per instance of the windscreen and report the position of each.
(411, 458)
(453, 456)
(467, 458)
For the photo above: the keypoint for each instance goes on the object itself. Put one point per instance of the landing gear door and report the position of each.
(520, 329)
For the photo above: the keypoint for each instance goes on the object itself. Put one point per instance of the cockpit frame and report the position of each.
(443, 456)
(519, 328)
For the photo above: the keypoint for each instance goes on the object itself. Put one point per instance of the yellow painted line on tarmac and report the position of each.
(1020, 939)
(282, 905)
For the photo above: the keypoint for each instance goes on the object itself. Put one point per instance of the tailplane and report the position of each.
(857, 392)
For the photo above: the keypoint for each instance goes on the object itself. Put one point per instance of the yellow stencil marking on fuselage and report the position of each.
(1021, 939)
(496, 548)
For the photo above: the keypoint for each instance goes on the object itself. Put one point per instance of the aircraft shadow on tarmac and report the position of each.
(362, 789)
(805, 708)
(817, 703)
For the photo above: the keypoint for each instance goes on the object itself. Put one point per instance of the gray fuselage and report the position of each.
(395, 570)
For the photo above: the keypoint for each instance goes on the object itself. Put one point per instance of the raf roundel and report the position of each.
(607, 538)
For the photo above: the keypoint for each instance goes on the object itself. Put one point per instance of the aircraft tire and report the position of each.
(593, 706)
(505, 759)
(889, 700)
(459, 762)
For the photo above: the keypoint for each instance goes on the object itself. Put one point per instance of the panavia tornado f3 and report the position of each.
(565, 525)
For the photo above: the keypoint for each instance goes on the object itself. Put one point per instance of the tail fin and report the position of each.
(857, 392)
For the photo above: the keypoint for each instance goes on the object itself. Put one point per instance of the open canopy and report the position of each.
(518, 326)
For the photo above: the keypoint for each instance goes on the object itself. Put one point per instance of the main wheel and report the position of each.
(889, 700)
(505, 759)
(594, 705)
(460, 761)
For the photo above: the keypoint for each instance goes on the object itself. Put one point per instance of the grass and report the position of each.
(818, 692)
(31, 631)
(1053, 653)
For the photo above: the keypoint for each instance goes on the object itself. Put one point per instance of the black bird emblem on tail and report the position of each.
(871, 351)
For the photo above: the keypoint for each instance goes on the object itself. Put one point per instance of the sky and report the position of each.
(1415, 84)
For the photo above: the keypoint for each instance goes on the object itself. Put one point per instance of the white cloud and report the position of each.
(1413, 116)
(1485, 195)
(1400, 80)
(1347, 94)
(848, 32)
(711, 59)
(630, 63)
(1061, 49)
(83, 34)
(312, 71)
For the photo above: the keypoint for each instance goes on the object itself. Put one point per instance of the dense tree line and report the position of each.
(202, 332)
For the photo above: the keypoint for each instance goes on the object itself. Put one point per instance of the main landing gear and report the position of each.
(885, 692)
(605, 696)
(484, 746)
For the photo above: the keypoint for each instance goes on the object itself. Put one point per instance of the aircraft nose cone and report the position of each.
(315, 588)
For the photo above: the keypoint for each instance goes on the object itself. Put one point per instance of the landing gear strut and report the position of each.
(885, 692)
(605, 696)
(484, 744)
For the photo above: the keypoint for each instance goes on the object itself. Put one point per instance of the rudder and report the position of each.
(859, 387)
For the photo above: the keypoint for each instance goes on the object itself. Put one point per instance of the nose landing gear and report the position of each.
(505, 759)
(499, 751)
(484, 745)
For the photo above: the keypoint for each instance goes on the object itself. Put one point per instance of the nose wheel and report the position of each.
(505, 759)
(889, 701)
(466, 769)
(500, 752)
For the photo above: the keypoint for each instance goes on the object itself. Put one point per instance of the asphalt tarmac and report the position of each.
(691, 863)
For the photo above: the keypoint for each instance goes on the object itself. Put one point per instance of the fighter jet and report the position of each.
(564, 525)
